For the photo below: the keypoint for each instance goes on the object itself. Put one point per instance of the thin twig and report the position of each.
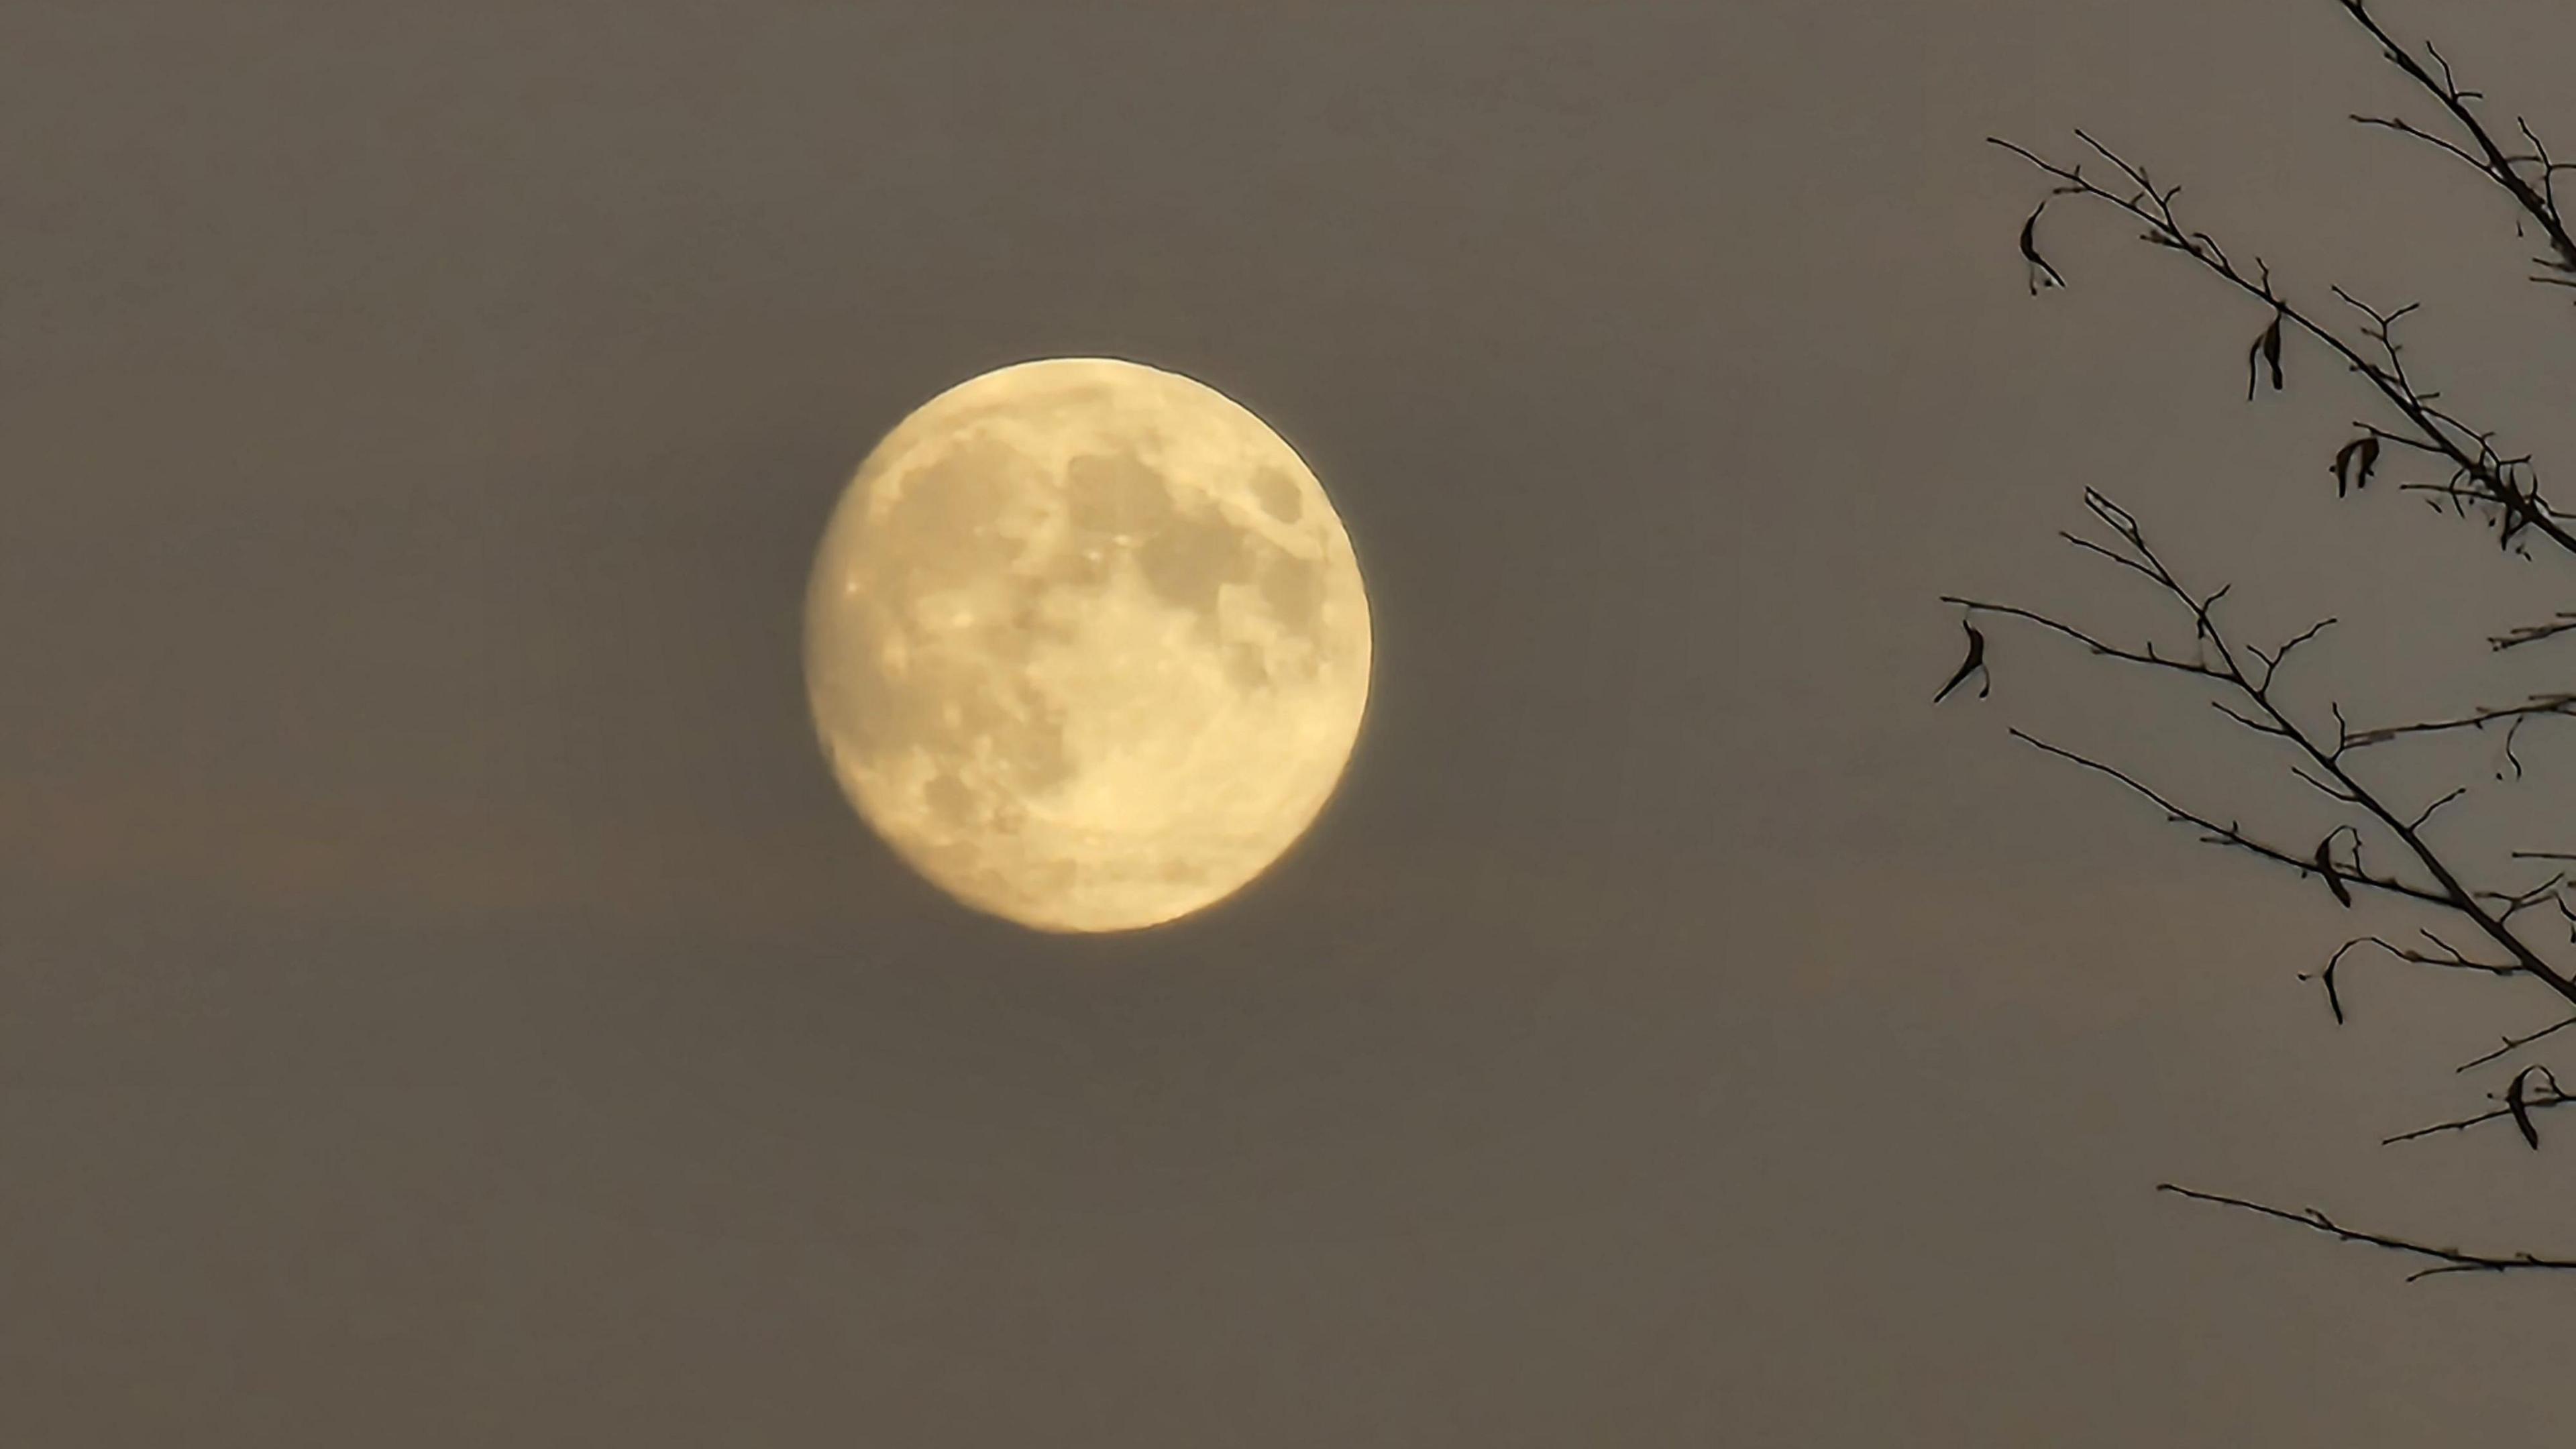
(2446, 1260)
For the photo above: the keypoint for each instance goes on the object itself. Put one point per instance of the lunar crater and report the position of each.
(1087, 644)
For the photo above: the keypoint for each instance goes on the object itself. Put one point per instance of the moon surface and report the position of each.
(1086, 644)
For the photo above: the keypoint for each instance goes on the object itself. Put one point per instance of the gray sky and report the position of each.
(443, 999)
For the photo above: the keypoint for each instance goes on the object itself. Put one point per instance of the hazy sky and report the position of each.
(444, 1001)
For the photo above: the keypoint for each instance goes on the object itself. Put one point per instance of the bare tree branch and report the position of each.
(2514, 1044)
(2446, 1260)
(2472, 475)
(2556, 1098)
(2534, 633)
(2232, 833)
(2480, 473)
(2538, 704)
(2264, 715)
(2530, 177)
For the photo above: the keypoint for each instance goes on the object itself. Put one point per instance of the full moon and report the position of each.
(1086, 644)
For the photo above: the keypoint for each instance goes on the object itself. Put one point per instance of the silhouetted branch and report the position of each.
(2471, 473)
(2322, 766)
(2449, 957)
(2529, 177)
(2534, 633)
(2443, 954)
(2232, 833)
(2514, 1044)
(2447, 1260)
(2481, 476)
(2556, 1098)
(2538, 704)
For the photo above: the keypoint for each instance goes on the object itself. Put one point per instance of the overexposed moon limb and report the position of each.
(1086, 644)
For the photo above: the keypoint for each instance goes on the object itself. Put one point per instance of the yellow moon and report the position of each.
(1086, 644)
